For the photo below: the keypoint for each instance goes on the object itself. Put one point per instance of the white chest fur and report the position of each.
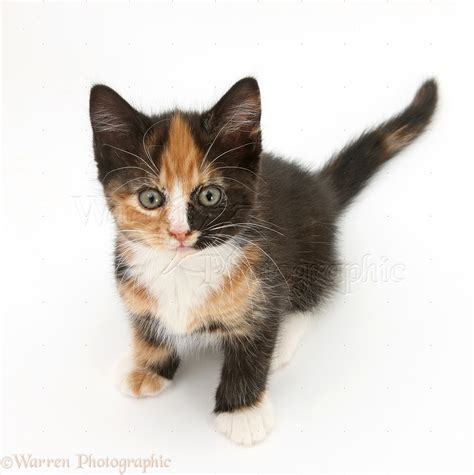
(181, 282)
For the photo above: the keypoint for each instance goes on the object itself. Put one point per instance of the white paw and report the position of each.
(247, 426)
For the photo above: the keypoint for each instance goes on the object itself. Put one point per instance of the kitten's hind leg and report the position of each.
(292, 330)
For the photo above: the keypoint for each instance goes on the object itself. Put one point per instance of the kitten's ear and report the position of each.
(236, 116)
(113, 119)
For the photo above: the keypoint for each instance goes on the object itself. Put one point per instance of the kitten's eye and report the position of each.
(151, 199)
(210, 196)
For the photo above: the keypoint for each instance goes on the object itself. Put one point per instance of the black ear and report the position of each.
(236, 117)
(110, 113)
(114, 121)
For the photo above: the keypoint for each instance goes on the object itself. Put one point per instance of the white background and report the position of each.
(383, 379)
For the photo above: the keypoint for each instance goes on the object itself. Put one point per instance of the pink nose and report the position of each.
(179, 235)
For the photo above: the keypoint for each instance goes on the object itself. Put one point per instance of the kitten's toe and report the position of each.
(247, 426)
(138, 383)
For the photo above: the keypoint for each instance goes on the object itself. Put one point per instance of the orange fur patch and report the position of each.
(181, 159)
(142, 225)
(230, 303)
(136, 298)
(147, 355)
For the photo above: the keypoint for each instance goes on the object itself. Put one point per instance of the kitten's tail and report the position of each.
(350, 169)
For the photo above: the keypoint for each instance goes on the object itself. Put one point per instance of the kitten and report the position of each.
(221, 243)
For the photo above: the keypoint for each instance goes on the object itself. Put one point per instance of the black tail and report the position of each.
(351, 168)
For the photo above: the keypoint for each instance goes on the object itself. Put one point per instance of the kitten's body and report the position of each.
(248, 267)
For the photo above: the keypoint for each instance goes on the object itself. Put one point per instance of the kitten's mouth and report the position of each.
(183, 245)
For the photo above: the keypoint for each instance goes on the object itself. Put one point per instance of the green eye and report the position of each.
(150, 199)
(210, 196)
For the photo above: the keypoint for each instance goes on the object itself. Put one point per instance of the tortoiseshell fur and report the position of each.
(278, 220)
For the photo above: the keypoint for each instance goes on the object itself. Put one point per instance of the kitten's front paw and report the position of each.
(138, 383)
(247, 426)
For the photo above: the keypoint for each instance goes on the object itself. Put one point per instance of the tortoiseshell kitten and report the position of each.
(222, 243)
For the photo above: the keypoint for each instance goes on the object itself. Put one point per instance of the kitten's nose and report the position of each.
(179, 235)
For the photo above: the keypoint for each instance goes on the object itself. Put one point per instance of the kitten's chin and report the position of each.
(183, 250)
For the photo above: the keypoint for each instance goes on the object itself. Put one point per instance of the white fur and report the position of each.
(178, 210)
(291, 332)
(247, 426)
(181, 280)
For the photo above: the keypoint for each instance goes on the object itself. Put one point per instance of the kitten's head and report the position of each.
(180, 180)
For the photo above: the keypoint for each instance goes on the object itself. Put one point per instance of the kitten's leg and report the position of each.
(149, 370)
(243, 409)
(292, 329)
